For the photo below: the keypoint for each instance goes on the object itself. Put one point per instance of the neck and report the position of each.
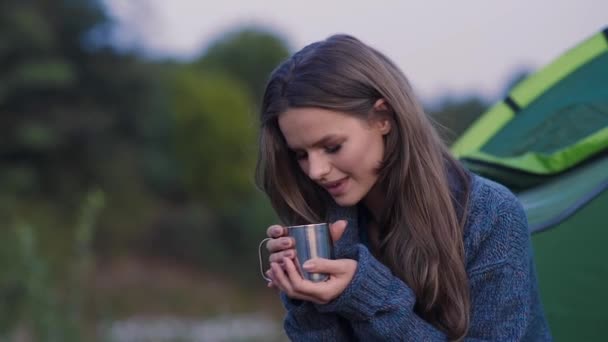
(374, 202)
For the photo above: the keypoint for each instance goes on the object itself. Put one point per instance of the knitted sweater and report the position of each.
(377, 306)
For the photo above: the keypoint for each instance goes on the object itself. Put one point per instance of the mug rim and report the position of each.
(308, 225)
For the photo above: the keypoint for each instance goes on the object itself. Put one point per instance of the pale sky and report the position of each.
(444, 47)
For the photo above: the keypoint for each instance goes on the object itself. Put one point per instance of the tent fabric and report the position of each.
(550, 122)
(548, 142)
(572, 273)
(554, 202)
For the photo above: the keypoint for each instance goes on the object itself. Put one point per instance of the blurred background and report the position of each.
(128, 144)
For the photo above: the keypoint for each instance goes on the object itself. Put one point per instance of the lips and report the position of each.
(336, 188)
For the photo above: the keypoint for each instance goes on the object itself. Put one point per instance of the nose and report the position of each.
(318, 166)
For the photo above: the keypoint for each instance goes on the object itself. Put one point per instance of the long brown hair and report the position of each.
(421, 239)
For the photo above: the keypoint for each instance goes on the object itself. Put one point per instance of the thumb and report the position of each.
(321, 265)
(336, 230)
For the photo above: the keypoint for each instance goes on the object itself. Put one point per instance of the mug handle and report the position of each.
(260, 257)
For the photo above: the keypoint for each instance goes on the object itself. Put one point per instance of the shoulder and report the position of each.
(497, 228)
(489, 199)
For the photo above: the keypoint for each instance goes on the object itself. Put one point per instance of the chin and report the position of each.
(346, 201)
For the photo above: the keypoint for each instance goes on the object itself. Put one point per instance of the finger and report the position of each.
(270, 283)
(279, 244)
(301, 287)
(336, 229)
(304, 288)
(298, 283)
(291, 271)
(275, 231)
(320, 265)
(279, 278)
(268, 274)
(282, 281)
(278, 257)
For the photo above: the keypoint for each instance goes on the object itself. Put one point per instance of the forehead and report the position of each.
(303, 127)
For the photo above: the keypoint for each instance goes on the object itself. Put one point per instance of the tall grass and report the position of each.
(38, 302)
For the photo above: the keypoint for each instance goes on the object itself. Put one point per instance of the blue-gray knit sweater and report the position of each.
(377, 306)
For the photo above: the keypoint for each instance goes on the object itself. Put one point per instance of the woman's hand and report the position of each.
(281, 246)
(289, 280)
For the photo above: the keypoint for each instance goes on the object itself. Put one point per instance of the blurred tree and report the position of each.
(214, 135)
(214, 143)
(172, 146)
(63, 105)
(75, 113)
(212, 104)
(248, 55)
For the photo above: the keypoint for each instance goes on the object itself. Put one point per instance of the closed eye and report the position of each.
(301, 155)
(333, 149)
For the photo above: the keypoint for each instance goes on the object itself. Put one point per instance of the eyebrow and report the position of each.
(321, 141)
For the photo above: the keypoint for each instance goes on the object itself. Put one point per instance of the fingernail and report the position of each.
(285, 243)
(308, 265)
(276, 230)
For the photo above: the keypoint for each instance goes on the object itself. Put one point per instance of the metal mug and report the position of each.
(311, 241)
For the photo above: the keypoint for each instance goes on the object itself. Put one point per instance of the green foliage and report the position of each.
(31, 295)
(25, 27)
(243, 228)
(46, 74)
(214, 135)
(40, 303)
(248, 55)
(64, 106)
(36, 136)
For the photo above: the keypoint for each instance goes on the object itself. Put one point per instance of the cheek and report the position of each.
(349, 160)
(303, 166)
(364, 159)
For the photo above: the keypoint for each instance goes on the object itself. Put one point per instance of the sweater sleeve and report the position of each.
(380, 306)
(304, 322)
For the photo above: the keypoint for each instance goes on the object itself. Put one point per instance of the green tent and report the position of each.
(548, 142)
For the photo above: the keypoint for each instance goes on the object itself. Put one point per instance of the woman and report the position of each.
(424, 249)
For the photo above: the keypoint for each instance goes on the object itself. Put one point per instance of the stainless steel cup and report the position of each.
(311, 241)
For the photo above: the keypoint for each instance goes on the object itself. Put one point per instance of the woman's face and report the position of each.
(338, 151)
